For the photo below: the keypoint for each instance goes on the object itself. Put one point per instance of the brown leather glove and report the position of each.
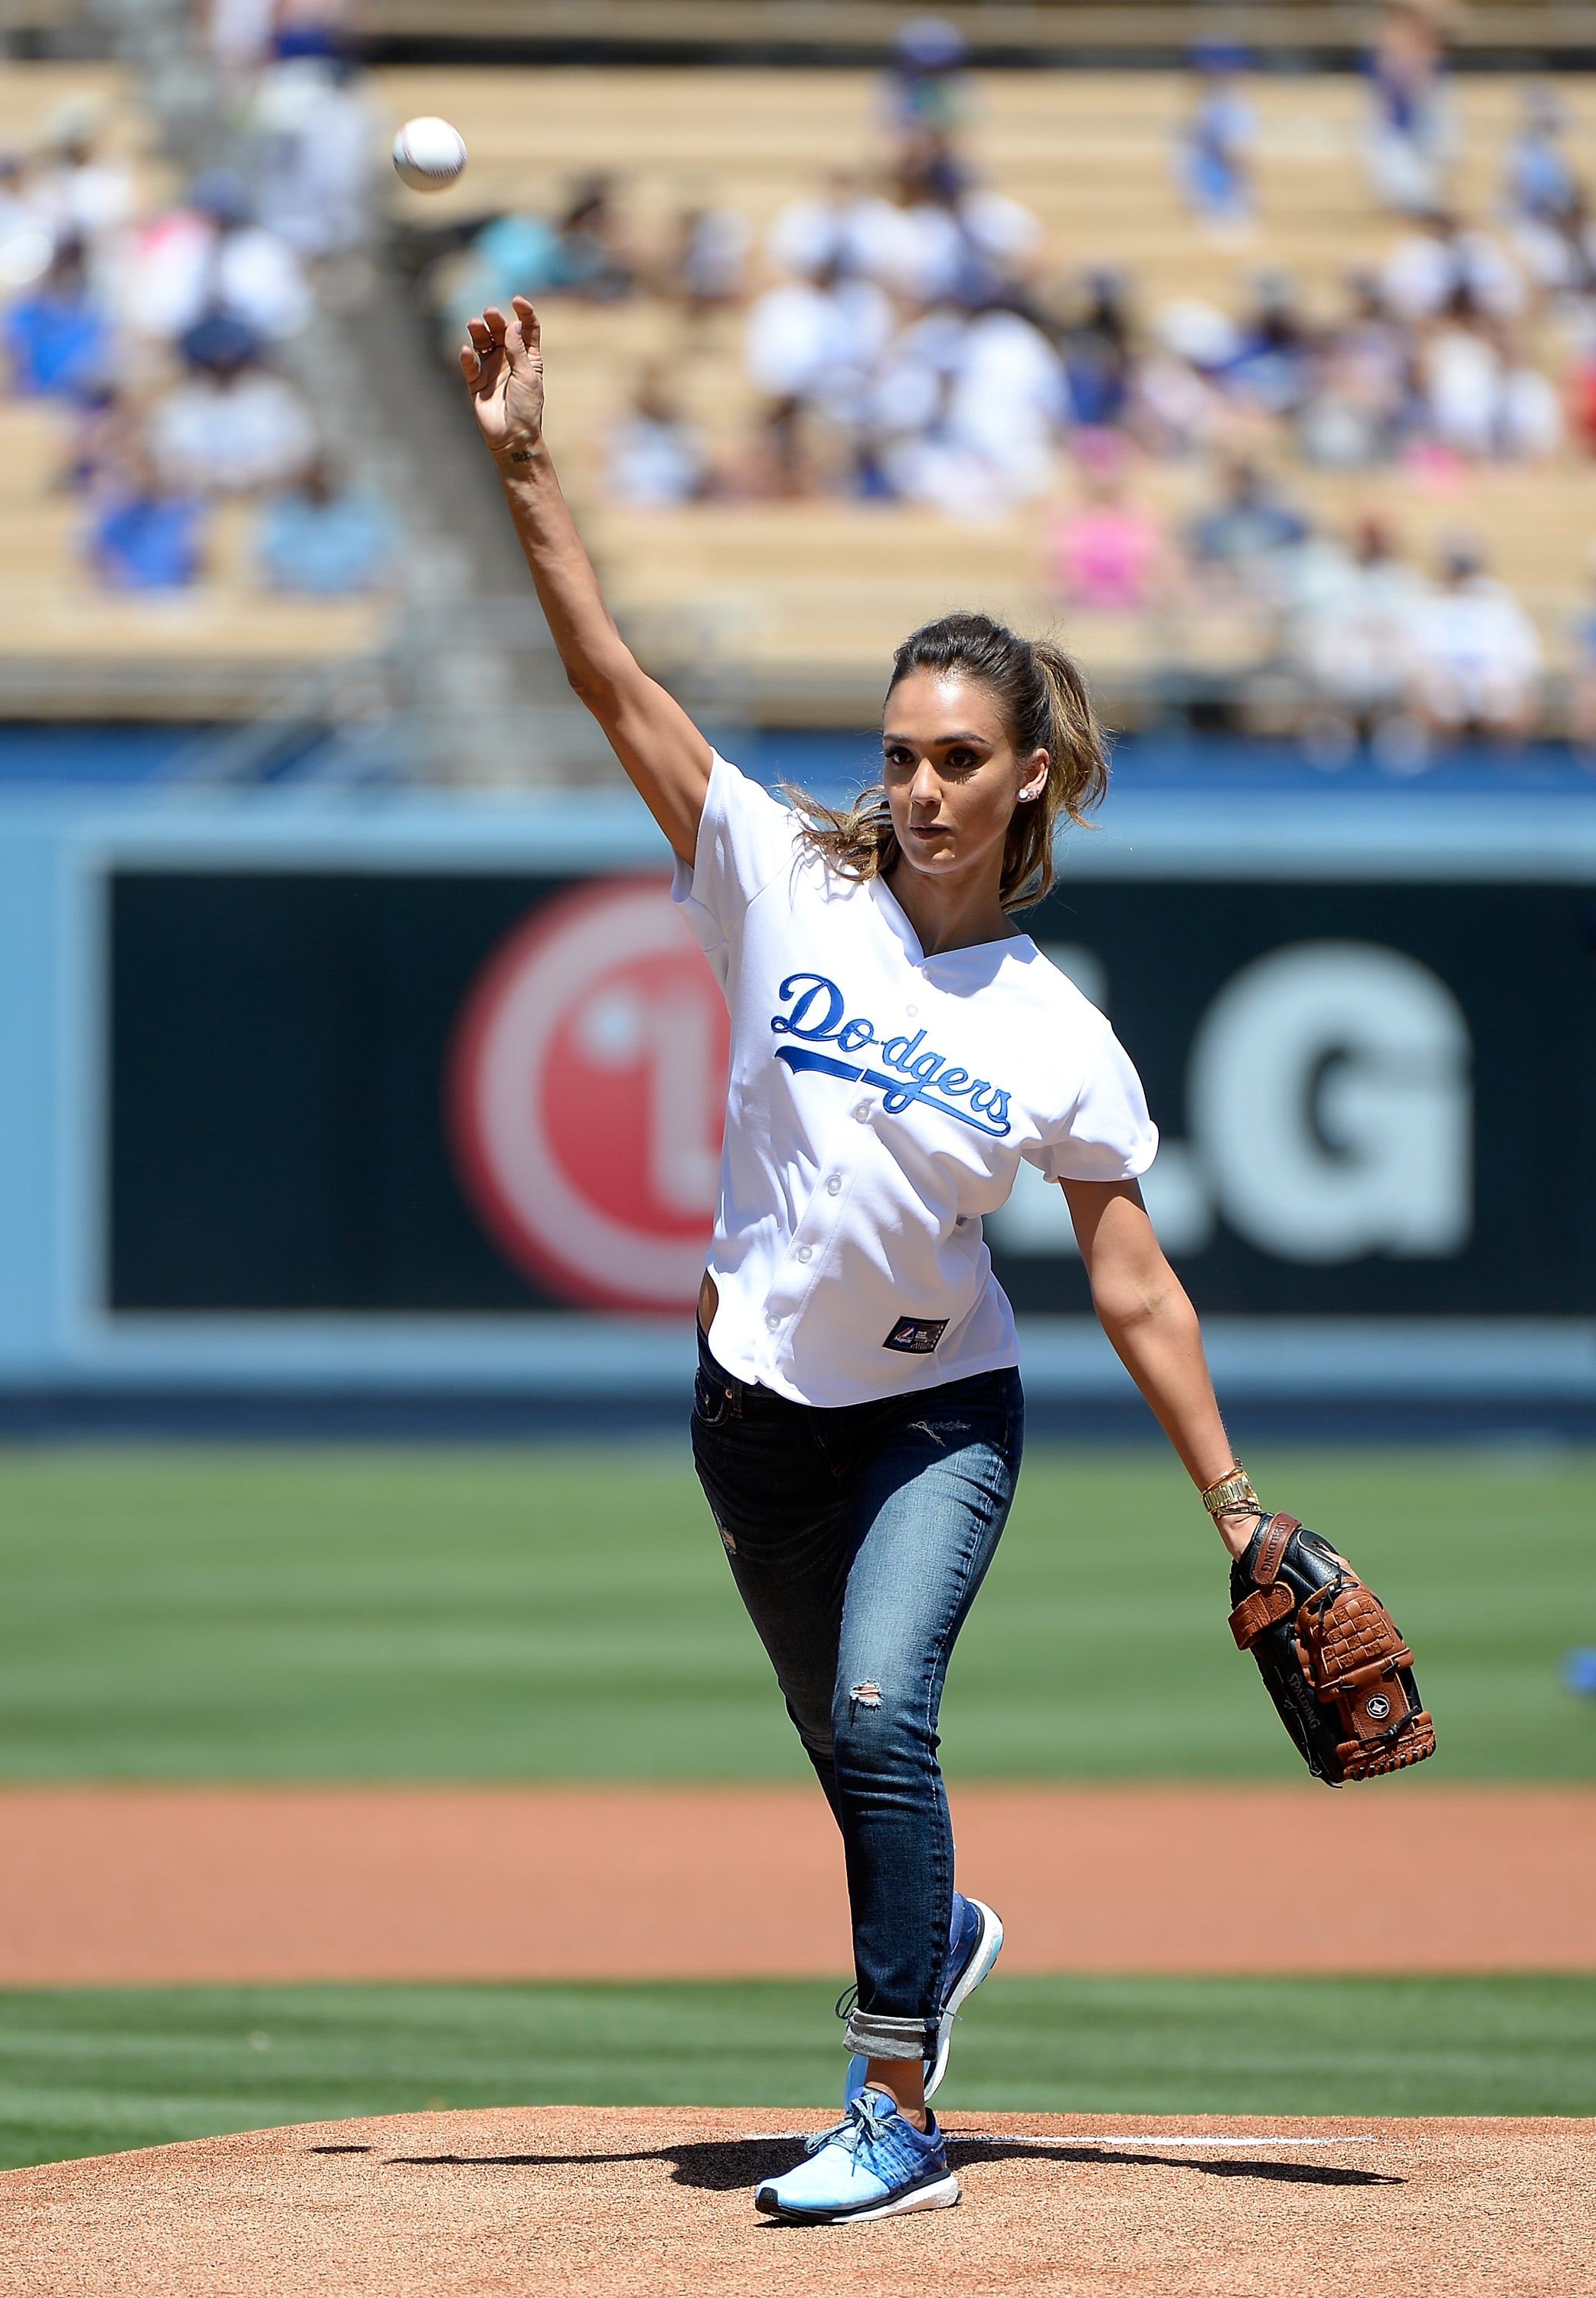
(1331, 1657)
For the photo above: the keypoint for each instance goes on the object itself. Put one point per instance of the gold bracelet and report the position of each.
(1232, 1493)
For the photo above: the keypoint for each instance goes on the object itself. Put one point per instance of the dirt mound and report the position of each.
(640, 2201)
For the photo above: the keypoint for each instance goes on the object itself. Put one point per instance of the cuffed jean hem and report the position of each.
(874, 2036)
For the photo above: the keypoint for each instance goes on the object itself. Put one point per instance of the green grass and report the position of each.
(88, 2072)
(484, 1614)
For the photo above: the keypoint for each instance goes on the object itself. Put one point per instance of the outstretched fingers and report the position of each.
(526, 320)
(497, 347)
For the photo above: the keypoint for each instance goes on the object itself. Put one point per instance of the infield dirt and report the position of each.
(156, 1884)
(639, 2203)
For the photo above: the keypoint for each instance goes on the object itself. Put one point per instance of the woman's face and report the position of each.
(952, 776)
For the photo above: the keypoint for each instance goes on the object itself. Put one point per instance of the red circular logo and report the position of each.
(587, 1092)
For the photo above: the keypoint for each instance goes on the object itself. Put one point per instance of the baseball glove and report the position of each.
(1331, 1657)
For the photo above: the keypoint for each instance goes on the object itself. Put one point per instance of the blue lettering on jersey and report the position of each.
(816, 1016)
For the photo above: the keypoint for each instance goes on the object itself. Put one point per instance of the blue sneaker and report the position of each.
(974, 1942)
(872, 2165)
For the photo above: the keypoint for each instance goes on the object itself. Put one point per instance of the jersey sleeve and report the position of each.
(745, 840)
(1107, 1134)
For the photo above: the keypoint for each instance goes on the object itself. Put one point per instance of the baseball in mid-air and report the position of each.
(428, 154)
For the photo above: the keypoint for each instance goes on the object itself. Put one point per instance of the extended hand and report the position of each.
(503, 367)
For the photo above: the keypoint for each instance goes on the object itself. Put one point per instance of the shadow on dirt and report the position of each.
(722, 2165)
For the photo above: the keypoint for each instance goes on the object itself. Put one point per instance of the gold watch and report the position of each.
(1233, 1493)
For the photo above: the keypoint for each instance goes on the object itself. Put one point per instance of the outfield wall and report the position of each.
(420, 1095)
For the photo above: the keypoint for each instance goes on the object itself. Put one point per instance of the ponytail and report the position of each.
(1045, 706)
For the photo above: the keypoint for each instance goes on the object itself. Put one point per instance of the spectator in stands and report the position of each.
(705, 267)
(1481, 400)
(1174, 408)
(1353, 641)
(80, 193)
(1275, 350)
(1106, 551)
(1580, 390)
(1250, 535)
(969, 410)
(1559, 253)
(1361, 387)
(1213, 143)
(845, 230)
(230, 427)
(593, 260)
(312, 28)
(1096, 343)
(786, 465)
(1538, 181)
(818, 340)
(1441, 260)
(1408, 136)
(240, 34)
(959, 244)
(323, 536)
(1477, 660)
(52, 331)
(310, 138)
(584, 251)
(26, 241)
(1351, 413)
(210, 259)
(927, 91)
(144, 533)
(656, 456)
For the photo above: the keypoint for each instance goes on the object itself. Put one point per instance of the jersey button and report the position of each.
(913, 1012)
(863, 1113)
(834, 1186)
(805, 1252)
(773, 1321)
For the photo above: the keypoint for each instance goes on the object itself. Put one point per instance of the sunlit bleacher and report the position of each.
(794, 606)
(69, 646)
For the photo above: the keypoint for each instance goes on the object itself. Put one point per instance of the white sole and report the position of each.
(979, 1967)
(942, 2196)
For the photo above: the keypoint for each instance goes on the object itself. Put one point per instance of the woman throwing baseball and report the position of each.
(898, 1045)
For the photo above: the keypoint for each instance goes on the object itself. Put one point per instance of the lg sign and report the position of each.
(586, 1091)
(1331, 1105)
(1328, 1087)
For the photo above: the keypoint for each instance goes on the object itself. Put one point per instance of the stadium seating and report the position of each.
(792, 609)
(69, 648)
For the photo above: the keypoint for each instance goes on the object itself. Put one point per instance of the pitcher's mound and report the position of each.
(638, 2200)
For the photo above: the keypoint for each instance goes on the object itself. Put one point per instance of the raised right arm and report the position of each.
(653, 737)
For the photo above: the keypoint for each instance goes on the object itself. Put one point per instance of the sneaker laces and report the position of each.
(862, 2129)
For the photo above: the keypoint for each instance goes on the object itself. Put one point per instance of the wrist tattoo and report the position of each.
(521, 454)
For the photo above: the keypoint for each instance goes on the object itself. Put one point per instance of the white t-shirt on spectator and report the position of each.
(805, 342)
(1476, 652)
(933, 249)
(878, 1104)
(257, 433)
(864, 238)
(182, 268)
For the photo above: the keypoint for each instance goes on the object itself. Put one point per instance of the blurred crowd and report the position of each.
(164, 338)
(911, 337)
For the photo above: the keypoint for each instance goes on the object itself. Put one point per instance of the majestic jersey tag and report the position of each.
(916, 1337)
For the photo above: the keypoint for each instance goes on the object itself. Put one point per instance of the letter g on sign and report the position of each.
(1329, 1094)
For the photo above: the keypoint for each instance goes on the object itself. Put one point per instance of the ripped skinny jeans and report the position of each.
(857, 1536)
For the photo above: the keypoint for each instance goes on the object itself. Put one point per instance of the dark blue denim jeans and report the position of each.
(858, 1536)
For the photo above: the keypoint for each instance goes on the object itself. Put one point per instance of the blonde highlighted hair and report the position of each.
(1045, 705)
